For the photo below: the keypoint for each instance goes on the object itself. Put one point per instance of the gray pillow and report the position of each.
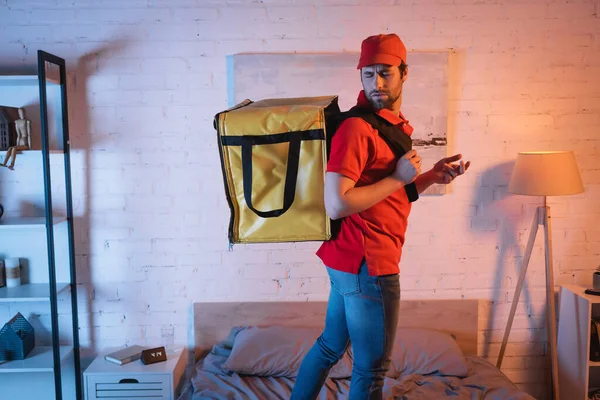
(426, 351)
(277, 351)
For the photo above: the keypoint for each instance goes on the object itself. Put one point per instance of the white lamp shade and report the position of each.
(545, 173)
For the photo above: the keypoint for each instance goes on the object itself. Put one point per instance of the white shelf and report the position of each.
(27, 222)
(39, 360)
(24, 80)
(19, 80)
(580, 291)
(30, 292)
(29, 153)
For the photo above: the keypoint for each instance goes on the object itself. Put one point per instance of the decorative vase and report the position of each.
(597, 280)
(12, 267)
(2, 274)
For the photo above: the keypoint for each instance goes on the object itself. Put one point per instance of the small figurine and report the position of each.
(23, 142)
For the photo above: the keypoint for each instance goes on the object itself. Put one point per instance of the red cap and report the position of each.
(382, 49)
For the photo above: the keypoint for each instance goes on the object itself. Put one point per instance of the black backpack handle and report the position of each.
(291, 176)
(247, 142)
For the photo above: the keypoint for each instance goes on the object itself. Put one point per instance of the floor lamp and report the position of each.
(542, 173)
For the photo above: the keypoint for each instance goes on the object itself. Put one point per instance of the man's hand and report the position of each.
(444, 171)
(408, 167)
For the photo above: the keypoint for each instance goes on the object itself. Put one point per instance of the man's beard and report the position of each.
(379, 103)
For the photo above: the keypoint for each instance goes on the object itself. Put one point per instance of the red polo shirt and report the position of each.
(377, 233)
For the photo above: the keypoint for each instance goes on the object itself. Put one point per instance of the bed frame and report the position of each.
(213, 321)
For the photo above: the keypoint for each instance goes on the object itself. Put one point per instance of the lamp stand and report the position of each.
(541, 217)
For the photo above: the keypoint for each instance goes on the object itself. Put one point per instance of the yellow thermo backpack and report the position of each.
(274, 155)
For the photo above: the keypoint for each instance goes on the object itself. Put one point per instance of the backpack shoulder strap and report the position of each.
(396, 139)
(394, 136)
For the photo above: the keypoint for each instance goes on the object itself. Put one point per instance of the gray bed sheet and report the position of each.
(484, 382)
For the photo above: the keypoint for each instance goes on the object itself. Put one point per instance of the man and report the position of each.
(365, 185)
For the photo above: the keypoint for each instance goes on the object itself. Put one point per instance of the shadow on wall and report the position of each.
(81, 128)
(502, 215)
(91, 135)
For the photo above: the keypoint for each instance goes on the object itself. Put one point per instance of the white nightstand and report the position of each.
(576, 373)
(159, 381)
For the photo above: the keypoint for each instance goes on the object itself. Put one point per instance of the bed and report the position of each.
(252, 351)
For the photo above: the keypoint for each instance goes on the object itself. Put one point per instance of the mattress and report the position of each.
(483, 382)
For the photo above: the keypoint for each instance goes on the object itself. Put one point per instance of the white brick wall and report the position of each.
(149, 75)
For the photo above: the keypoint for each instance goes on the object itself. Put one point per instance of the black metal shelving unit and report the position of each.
(43, 60)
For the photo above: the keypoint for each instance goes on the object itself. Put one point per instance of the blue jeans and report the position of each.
(362, 309)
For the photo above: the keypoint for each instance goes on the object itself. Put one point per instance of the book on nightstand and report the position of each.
(125, 355)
